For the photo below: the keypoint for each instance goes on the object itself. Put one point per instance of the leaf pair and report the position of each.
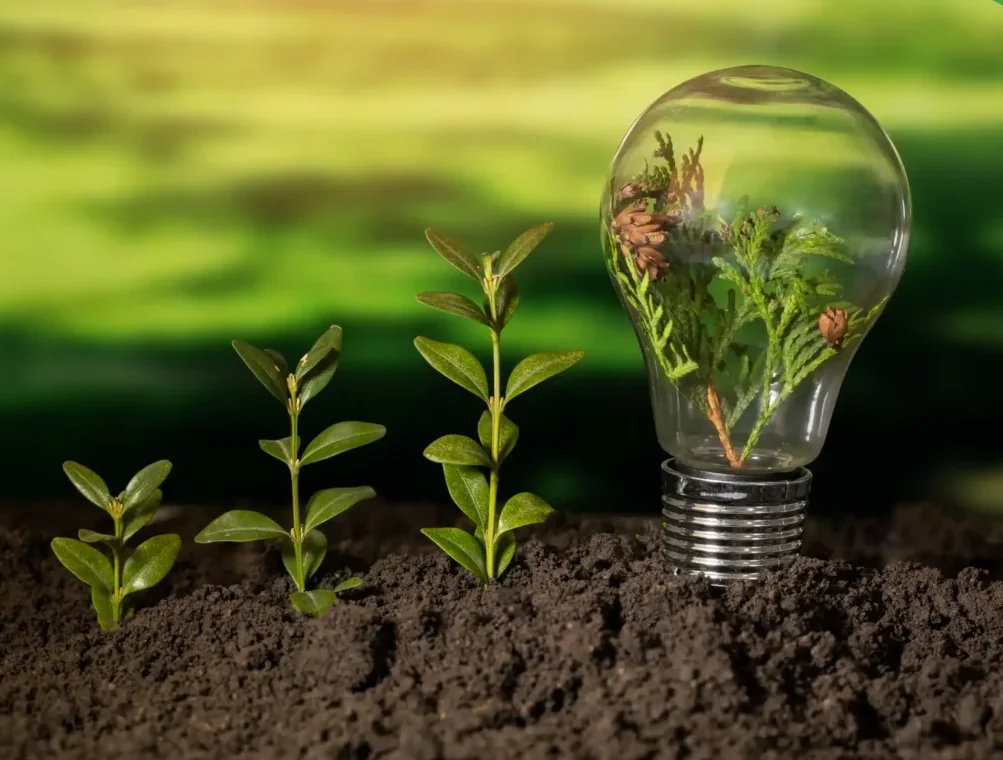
(139, 490)
(132, 509)
(337, 439)
(132, 522)
(507, 301)
(312, 374)
(460, 366)
(147, 566)
(243, 525)
(469, 490)
(462, 256)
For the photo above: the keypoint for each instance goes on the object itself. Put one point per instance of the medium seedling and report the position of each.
(111, 582)
(304, 546)
(488, 552)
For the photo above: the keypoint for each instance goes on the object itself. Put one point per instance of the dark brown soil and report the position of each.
(588, 649)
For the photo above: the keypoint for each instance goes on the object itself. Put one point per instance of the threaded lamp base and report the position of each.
(727, 526)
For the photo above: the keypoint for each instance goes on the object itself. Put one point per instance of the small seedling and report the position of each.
(111, 582)
(488, 552)
(303, 547)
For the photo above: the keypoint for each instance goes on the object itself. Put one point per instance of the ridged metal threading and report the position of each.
(728, 526)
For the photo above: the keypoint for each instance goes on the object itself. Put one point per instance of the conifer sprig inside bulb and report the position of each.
(658, 220)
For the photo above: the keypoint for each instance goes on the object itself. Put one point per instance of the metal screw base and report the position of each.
(727, 526)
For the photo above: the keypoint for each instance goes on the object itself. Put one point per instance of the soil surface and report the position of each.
(587, 649)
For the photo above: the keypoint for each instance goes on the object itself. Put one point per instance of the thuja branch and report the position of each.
(664, 249)
(673, 358)
(488, 551)
(840, 328)
(304, 546)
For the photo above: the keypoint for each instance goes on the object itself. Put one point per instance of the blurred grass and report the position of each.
(179, 174)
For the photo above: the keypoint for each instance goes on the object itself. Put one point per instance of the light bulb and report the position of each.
(755, 223)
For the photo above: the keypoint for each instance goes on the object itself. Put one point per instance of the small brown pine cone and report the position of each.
(631, 218)
(666, 220)
(644, 229)
(650, 260)
(630, 191)
(832, 324)
(636, 237)
(626, 217)
(649, 234)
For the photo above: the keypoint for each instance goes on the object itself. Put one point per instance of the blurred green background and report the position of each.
(179, 174)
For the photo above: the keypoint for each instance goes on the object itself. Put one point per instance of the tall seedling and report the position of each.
(488, 551)
(303, 546)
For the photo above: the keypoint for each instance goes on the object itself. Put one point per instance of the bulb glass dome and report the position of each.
(755, 224)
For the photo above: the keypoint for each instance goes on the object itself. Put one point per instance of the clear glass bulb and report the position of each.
(755, 223)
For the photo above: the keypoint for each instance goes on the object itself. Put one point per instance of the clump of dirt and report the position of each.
(587, 649)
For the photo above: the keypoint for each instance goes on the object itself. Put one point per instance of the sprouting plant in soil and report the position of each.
(112, 582)
(490, 549)
(736, 312)
(304, 546)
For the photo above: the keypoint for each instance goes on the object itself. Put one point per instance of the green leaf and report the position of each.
(454, 303)
(315, 602)
(101, 602)
(521, 510)
(505, 552)
(507, 435)
(456, 363)
(322, 347)
(507, 299)
(265, 368)
(90, 537)
(469, 489)
(319, 364)
(521, 247)
(281, 449)
(536, 368)
(457, 449)
(240, 525)
(456, 253)
(288, 550)
(89, 483)
(85, 562)
(151, 561)
(140, 515)
(280, 361)
(318, 378)
(341, 437)
(462, 547)
(327, 504)
(145, 483)
(314, 550)
(348, 583)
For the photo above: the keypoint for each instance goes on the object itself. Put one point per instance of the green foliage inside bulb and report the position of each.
(670, 255)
